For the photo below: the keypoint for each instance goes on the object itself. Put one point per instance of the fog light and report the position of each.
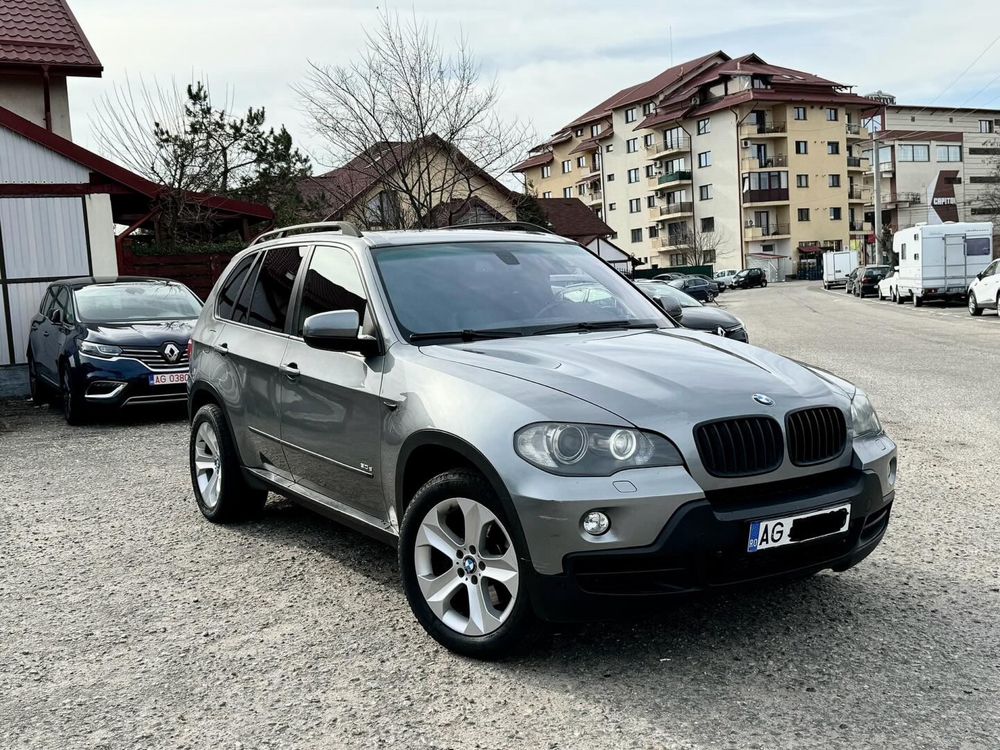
(596, 523)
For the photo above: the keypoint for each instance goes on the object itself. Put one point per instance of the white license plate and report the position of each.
(777, 532)
(168, 378)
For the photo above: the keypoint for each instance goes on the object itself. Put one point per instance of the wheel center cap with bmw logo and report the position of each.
(171, 352)
(760, 398)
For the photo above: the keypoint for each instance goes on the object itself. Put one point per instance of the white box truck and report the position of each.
(939, 261)
(837, 266)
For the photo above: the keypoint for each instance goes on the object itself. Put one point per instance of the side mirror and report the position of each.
(671, 308)
(338, 331)
(979, 275)
(56, 316)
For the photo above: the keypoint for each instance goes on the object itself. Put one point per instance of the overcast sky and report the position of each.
(553, 60)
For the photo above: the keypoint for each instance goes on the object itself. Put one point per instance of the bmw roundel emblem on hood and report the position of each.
(760, 398)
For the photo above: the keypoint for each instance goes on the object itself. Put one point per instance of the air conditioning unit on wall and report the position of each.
(749, 223)
(745, 143)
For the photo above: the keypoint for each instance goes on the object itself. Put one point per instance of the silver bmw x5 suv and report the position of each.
(531, 457)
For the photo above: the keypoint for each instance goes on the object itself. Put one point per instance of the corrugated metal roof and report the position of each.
(45, 32)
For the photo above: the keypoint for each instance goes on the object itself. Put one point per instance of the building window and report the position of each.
(949, 153)
(612, 206)
(801, 147)
(609, 148)
(986, 126)
(637, 235)
(835, 213)
(831, 114)
(578, 133)
(653, 232)
(802, 180)
(648, 107)
(567, 166)
(906, 152)
(833, 147)
(649, 139)
(581, 189)
(800, 113)
(650, 170)
(631, 145)
(705, 192)
(835, 180)
(633, 175)
(677, 259)
(547, 194)
(650, 201)
(630, 114)
(567, 192)
(634, 205)
(581, 161)
(546, 171)
(803, 214)
(595, 130)
(704, 126)
(705, 159)
(708, 224)
(611, 177)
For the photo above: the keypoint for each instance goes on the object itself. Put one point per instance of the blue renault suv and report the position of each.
(104, 343)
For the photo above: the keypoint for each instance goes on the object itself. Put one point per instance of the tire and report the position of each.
(442, 570)
(74, 409)
(847, 289)
(220, 489)
(763, 284)
(974, 309)
(917, 301)
(878, 294)
(40, 393)
(898, 298)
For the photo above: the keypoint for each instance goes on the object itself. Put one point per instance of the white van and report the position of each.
(837, 266)
(939, 261)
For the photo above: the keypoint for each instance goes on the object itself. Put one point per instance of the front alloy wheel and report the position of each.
(208, 465)
(72, 403)
(974, 309)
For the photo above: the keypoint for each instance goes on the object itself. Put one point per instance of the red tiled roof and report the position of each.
(114, 173)
(571, 218)
(44, 32)
(533, 161)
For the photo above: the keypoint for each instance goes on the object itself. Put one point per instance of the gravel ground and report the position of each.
(126, 620)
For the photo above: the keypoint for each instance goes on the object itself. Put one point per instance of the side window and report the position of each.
(272, 292)
(332, 283)
(43, 309)
(242, 309)
(227, 295)
(64, 303)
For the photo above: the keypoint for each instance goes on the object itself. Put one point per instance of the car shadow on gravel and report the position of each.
(18, 414)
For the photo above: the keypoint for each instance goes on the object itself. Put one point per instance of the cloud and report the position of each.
(552, 60)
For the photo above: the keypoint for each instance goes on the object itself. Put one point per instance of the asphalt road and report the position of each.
(126, 620)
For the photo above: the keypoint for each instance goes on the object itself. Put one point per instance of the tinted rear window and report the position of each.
(227, 295)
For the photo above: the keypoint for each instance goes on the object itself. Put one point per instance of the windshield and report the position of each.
(135, 301)
(511, 287)
(877, 271)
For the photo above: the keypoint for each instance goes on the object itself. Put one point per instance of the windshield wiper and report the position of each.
(468, 334)
(599, 325)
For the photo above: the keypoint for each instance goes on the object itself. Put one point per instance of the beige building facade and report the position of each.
(719, 161)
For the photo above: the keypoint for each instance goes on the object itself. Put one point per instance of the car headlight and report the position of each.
(100, 350)
(592, 450)
(863, 416)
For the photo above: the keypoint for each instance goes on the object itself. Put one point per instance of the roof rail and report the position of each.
(344, 227)
(511, 226)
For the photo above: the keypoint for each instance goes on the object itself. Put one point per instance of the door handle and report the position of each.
(291, 370)
(223, 349)
(45, 333)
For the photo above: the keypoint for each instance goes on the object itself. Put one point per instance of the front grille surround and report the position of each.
(815, 435)
(153, 359)
(740, 446)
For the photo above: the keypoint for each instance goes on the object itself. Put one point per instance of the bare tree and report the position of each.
(416, 119)
(698, 248)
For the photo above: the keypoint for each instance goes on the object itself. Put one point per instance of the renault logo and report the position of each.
(760, 398)
(171, 352)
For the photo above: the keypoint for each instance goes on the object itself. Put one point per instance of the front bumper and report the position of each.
(703, 547)
(122, 382)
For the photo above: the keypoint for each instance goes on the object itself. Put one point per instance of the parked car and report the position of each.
(520, 449)
(714, 283)
(725, 277)
(984, 291)
(690, 313)
(105, 343)
(864, 280)
(669, 276)
(699, 288)
(888, 286)
(750, 277)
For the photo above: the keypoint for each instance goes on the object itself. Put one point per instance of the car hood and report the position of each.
(152, 334)
(707, 318)
(655, 378)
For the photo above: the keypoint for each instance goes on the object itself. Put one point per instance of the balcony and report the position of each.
(594, 196)
(855, 131)
(900, 198)
(860, 227)
(771, 231)
(669, 177)
(779, 161)
(660, 149)
(767, 129)
(854, 162)
(672, 241)
(855, 193)
(677, 208)
(771, 195)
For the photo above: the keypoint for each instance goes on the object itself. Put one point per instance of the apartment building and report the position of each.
(935, 164)
(728, 161)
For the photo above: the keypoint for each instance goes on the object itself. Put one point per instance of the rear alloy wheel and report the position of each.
(222, 493)
(974, 309)
(461, 570)
(74, 410)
